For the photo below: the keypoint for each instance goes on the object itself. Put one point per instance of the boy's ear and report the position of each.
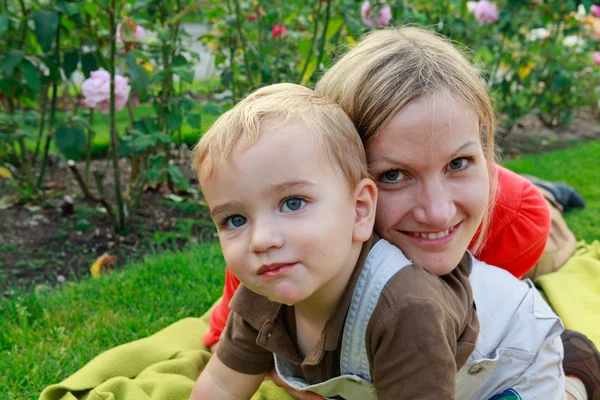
(365, 197)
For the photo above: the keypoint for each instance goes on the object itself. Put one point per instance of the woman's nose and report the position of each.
(265, 235)
(435, 205)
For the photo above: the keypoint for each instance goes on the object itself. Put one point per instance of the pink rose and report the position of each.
(595, 10)
(96, 91)
(383, 17)
(279, 30)
(596, 57)
(484, 11)
(139, 33)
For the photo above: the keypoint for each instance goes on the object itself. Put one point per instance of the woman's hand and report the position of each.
(296, 393)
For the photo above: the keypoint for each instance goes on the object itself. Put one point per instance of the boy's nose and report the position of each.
(435, 205)
(265, 235)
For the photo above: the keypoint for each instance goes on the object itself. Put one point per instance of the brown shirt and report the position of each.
(421, 333)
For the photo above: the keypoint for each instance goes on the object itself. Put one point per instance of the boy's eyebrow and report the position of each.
(279, 187)
(283, 186)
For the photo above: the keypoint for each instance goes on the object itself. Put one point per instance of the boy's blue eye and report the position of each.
(392, 175)
(292, 204)
(458, 164)
(235, 221)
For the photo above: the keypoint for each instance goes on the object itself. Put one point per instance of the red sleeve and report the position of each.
(219, 314)
(520, 225)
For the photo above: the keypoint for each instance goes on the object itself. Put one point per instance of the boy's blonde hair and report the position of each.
(390, 68)
(274, 106)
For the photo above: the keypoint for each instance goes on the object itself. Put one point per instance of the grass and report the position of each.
(48, 335)
(580, 167)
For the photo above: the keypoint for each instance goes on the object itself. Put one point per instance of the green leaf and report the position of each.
(139, 77)
(46, 24)
(11, 59)
(4, 23)
(70, 140)
(70, 62)
(212, 108)
(185, 73)
(31, 75)
(10, 86)
(82, 122)
(101, 60)
(135, 144)
(195, 120)
(179, 61)
(177, 177)
(90, 9)
(175, 122)
(156, 161)
(161, 137)
(88, 64)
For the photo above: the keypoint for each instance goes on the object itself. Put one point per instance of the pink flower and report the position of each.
(279, 30)
(139, 33)
(595, 10)
(596, 57)
(383, 17)
(96, 90)
(484, 11)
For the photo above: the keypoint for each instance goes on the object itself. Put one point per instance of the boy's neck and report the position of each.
(322, 305)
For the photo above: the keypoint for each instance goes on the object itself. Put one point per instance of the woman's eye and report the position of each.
(292, 204)
(235, 221)
(392, 175)
(458, 164)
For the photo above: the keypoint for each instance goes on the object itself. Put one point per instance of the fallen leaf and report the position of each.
(103, 265)
(54, 186)
(174, 198)
(7, 202)
(5, 173)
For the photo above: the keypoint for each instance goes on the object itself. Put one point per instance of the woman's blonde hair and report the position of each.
(275, 106)
(390, 68)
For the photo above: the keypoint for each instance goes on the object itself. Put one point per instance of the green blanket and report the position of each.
(162, 366)
(574, 291)
(166, 364)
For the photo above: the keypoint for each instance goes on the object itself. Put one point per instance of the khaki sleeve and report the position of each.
(238, 348)
(413, 346)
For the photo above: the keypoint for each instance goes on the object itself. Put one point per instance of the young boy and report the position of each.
(335, 309)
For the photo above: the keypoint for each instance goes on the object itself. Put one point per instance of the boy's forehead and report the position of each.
(283, 151)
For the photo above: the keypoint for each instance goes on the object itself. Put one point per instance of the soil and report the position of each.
(47, 243)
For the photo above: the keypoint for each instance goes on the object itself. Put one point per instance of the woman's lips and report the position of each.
(433, 238)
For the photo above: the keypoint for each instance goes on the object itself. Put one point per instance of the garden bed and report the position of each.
(41, 244)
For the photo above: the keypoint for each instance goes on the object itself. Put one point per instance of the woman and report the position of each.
(405, 90)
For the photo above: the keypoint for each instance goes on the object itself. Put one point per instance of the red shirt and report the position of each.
(516, 239)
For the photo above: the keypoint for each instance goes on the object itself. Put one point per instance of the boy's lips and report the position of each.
(274, 269)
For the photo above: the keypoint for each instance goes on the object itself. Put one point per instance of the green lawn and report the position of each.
(46, 336)
(580, 167)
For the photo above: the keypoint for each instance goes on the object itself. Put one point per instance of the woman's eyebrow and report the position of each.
(400, 164)
(463, 147)
(388, 160)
